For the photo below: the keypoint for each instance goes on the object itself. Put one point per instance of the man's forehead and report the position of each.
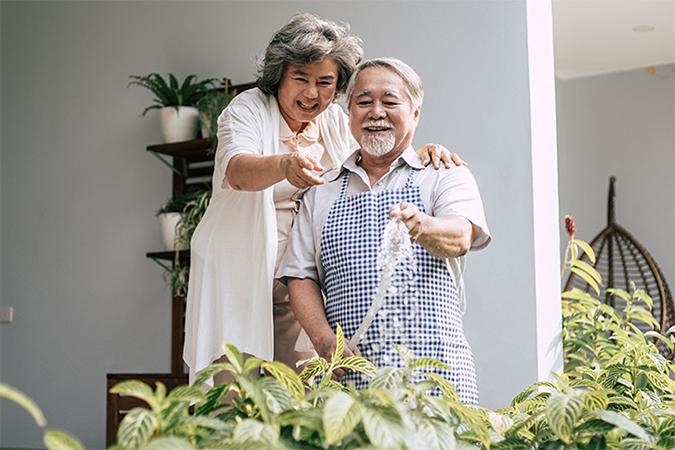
(379, 79)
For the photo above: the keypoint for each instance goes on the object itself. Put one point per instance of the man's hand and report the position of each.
(297, 170)
(325, 347)
(414, 219)
(435, 153)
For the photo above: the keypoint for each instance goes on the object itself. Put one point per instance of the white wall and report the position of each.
(79, 190)
(621, 124)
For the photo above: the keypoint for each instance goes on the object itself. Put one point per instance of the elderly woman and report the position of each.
(273, 143)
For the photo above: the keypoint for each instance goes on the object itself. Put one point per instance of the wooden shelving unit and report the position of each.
(191, 164)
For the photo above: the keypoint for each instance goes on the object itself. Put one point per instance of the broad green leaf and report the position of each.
(253, 390)
(234, 357)
(25, 402)
(619, 293)
(586, 248)
(313, 368)
(587, 278)
(582, 265)
(387, 378)
(357, 364)
(252, 430)
(277, 397)
(137, 427)
(562, 413)
(577, 294)
(252, 363)
(500, 423)
(187, 394)
(137, 389)
(625, 424)
(287, 377)
(60, 440)
(427, 362)
(210, 371)
(383, 428)
(339, 344)
(341, 413)
(660, 337)
(639, 294)
(168, 443)
(446, 387)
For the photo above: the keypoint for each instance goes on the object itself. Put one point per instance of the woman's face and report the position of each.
(306, 91)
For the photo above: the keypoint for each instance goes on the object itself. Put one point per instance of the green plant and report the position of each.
(172, 93)
(211, 105)
(192, 212)
(53, 439)
(176, 204)
(615, 393)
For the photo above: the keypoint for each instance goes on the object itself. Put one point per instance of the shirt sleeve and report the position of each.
(299, 261)
(239, 132)
(457, 193)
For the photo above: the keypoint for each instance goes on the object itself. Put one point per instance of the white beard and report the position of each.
(379, 144)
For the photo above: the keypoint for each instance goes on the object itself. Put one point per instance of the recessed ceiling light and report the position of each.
(643, 28)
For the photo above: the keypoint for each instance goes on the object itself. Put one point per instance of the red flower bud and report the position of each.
(570, 227)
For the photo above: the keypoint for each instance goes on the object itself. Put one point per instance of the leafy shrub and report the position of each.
(172, 93)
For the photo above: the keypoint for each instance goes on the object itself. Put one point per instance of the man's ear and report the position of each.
(417, 113)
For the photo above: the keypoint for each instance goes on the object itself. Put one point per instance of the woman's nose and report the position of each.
(311, 91)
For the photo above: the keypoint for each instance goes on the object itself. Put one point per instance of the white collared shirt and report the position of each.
(443, 192)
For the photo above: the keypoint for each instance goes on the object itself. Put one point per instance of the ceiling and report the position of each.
(594, 37)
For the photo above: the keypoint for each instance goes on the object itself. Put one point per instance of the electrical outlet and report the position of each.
(6, 314)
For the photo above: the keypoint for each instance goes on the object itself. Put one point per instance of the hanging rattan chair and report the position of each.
(620, 259)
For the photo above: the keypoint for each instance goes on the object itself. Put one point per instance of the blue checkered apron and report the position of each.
(429, 309)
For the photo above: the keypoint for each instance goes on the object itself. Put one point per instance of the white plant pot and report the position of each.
(167, 228)
(179, 125)
(206, 125)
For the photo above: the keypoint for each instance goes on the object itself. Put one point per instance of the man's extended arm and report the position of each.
(307, 305)
(445, 237)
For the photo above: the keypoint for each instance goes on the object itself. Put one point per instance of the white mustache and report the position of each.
(378, 123)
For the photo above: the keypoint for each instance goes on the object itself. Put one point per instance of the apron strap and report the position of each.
(410, 181)
(344, 184)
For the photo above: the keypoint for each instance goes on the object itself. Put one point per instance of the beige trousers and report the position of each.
(286, 331)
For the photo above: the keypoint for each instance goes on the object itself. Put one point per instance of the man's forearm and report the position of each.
(307, 304)
(447, 236)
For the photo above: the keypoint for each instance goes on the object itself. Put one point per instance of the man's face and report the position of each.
(381, 117)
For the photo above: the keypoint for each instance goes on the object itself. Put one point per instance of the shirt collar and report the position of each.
(409, 157)
(309, 134)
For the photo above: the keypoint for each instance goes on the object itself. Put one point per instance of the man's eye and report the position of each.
(391, 104)
(363, 103)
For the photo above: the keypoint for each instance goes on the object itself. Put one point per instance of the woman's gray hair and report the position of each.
(306, 39)
(411, 80)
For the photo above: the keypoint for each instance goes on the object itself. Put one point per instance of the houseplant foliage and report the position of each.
(53, 439)
(615, 393)
(177, 115)
(195, 207)
(172, 93)
(210, 106)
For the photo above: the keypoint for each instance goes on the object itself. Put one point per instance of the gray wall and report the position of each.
(79, 190)
(621, 124)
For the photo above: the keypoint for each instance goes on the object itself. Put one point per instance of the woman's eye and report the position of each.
(301, 80)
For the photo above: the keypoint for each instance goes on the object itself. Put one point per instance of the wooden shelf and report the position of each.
(195, 149)
(183, 255)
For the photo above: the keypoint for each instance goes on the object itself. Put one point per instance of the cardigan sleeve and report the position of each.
(240, 131)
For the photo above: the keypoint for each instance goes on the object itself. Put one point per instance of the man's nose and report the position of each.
(377, 111)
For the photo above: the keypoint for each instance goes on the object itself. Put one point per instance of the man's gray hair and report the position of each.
(306, 39)
(411, 80)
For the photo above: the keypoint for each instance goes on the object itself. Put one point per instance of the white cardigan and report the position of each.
(234, 247)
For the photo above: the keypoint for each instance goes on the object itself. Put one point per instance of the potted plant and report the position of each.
(191, 215)
(210, 106)
(177, 115)
(169, 215)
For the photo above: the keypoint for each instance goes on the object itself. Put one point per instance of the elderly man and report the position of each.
(336, 236)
